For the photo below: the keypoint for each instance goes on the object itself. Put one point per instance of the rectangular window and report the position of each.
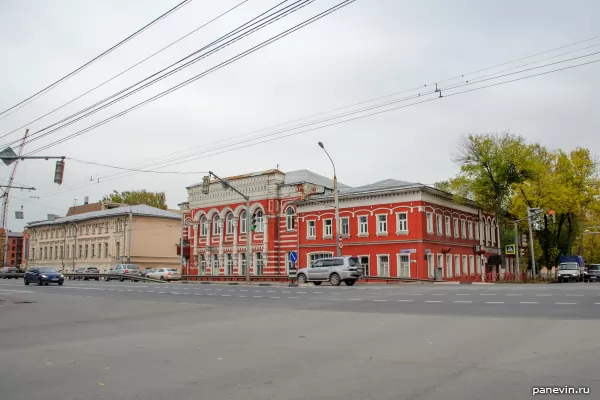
(457, 265)
(477, 230)
(311, 229)
(259, 264)
(317, 256)
(73, 251)
(93, 253)
(402, 221)
(327, 228)
(439, 224)
(478, 264)
(203, 228)
(471, 265)
(364, 262)
(381, 224)
(45, 252)
(290, 219)
(448, 228)
(86, 251)
(493, 230)
(229, 264)
(465, 266)
(105, 250)
(215, 264)
(230, 225)
(345, 226)
(430, 265)
(383, 267)
(470, 227)
(61, 253)
(33, 253)
(363, 225)
(456, 231)
(404, 266)
(118, 250)
(463, 228)
(429, 217)
(50, 254)
(216, 227)
(202, 264)
(448, 266)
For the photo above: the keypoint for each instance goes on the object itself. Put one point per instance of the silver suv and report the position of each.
(335, 270)
(130, 270)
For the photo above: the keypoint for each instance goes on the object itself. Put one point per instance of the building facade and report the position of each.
(396, 228)
(140, 234)
(17, 250)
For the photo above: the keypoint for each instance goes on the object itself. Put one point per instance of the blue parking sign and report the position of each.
(293, 256)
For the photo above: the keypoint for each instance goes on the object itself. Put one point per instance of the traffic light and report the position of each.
(552, 214)
(253, 223)
(205, 184)
(59, 172)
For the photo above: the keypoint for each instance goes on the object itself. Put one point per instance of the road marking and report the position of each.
(257, 296)
(242, 290)
(292, 297)
(231, 290)
(149, 291)
(271, 291)
(302, 292)
(487, 294)
(225, 295)
(463, 294)
(514, 294)
(318, 292)
(175, 293)
(416, 294)
(494, 302)
(111, 289)
(462, 301)
(529, 302)
(258, 291)
(544, 294)
(218, 289)
(210, 294)
(241, 296)
(433, 301)
(207, 289)
(274, 297)
(575, 295)
(438, 294)
(564, 304)
(379, 300)
(354, 299)
(596, 303)
(198, 294)
(162, 292)
(405, 301)
(334, 293)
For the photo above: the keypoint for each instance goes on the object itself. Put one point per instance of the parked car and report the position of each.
(43, 276)
(131, 270)
(569, 271)
(147, 271)
(335, 270)
(592, 273)
(9, 270)
(86, 270)
(165, 274)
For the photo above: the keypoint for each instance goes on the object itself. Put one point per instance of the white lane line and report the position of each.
(218, 289)
(175, 293)
(515, 294)
(225, 295)
(564, 304)
(596, 303)
(302, 292)
(292, 297)
(257, 296)
(210, 294)
(380, 300)
(529, 302)
(334, 293)
(162, 292)
(198, 294)
(140, 291)
(354, 299)
(313, 298)
(241, 296)
(271, 291)
(111, 289)
(438, 294)
(258, 291)
(318, 292)
(405, 301)
(416, 294)
(231, 290)
(487, 294)
(543, 295)
(207, 289)
(494, 302)
(274, 297)
(462, 301)
(463, 294)
(243, 290)
(149, 291)
(433, 301)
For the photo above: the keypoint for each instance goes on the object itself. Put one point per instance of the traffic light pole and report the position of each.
(227, 185)
(517, 266)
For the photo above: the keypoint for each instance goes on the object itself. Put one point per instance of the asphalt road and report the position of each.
(98, 340)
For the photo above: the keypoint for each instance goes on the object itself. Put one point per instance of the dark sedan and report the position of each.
(592, 273)
(43, 276)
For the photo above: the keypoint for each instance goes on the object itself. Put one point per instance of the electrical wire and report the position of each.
(98, 57)
(126, 70)
(102, 104)
(136, 170)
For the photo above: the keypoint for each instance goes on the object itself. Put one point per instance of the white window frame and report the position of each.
(477, 230)
(440, 257)
(379, 265)
(471, 265)
(402, 224)
(260, 221)
(202, 264)
(493, 233)
(429, 221)
(216, 231)
(430, 265)
(478, 264)
(447, 225)
(470, 229)
(228, 264)
(457, 265)
(465, 265)
(382, 232)
(363, 227)
(488, 233)
(311, 229)
(243, 264)
(368, 267)
(243, 222)
(312, 257)
(403, 270)
(290, 219)
(456, 227)
(345, 232)
(229, 223)
(259, 262)
(439, 222)
(327, 223)
(215, 260)
(449, 271)
(463, 228)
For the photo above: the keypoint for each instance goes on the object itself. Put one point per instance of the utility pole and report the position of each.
(227, 185)
(517, 266)
(337, 233)
(129, 237)
(181, 244)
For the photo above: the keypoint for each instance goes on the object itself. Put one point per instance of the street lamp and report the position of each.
(336, 203)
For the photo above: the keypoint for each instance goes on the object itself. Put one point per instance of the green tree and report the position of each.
(135, 197)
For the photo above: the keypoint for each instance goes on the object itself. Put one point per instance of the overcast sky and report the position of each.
(366, 50)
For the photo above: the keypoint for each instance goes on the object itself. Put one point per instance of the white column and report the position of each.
(221, 238)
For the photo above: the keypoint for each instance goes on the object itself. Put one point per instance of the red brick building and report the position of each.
(17, 249)
(397, 228)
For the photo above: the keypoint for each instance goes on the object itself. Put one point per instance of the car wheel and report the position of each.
(46, 283)
(97, 279)
(162, 278)
(335, 280)
(60, 283)
(86, 279)
(317, 283)
(121, 279)
(107, 279)
(301, 278)
(26, 281)
(350, 282)
(39, 282)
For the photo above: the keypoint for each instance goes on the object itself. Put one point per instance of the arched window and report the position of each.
(260, 225)
(216, 227)
(493, 233)
(243, 222)
(229, 219)
(290, 219)
(203, 227)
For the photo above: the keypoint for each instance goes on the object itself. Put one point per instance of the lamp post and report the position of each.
(336, 203)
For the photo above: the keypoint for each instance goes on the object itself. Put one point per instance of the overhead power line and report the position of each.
(121, 95)
(126, 70)
(201, 75)
(98, 57)
(136, 170)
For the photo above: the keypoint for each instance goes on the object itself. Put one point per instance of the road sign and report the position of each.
(341, 245)
(510, 249)
(408, 251)
(340, 237)
(7, 152)
(293, 256)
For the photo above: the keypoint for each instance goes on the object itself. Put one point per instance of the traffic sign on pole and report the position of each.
(293, 256)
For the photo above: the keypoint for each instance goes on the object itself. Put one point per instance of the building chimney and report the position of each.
(86, 200)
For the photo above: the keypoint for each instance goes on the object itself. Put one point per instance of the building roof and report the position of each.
(306, 176)
(139, 210)
(15, 234)
(86, 208)
(385, 184)
(234, 177)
